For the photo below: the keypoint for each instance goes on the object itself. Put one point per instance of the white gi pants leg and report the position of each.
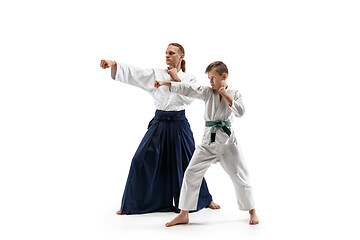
(232, 161)
(201, 160)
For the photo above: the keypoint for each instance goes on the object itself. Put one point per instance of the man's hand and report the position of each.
(173, 74)
(107, 63)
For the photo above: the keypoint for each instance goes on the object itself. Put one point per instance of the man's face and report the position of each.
(173, 56)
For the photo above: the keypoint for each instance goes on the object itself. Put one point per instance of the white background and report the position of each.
(68, 132)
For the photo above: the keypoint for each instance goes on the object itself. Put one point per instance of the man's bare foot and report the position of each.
(182, 218)
(213, 205)
(120, 212)
(253, 217)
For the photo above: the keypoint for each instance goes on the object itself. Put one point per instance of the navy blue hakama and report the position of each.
(158, 166)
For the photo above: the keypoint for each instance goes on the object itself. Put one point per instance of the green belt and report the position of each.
(213, 124)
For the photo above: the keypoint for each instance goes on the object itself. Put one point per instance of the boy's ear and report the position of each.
(224, 76)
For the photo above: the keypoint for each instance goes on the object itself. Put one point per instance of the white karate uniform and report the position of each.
(225, 149)
(144, 78)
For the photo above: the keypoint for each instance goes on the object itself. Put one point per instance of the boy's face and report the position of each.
(173, 56)
(216, 80)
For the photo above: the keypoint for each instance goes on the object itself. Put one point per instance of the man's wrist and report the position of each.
(176, 79)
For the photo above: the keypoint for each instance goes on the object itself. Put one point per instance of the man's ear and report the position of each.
(224, 76)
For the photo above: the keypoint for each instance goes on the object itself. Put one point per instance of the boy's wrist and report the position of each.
(114, 65)
(229, 99)
(167, 83)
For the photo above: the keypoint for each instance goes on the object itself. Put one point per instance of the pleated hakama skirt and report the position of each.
(158, 166)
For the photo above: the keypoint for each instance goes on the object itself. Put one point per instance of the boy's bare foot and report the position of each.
(120, 212)
(253, 217)
(182, 218)
(213, 205)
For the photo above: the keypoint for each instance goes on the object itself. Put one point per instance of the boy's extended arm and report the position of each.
(184, 89)
(190, 90)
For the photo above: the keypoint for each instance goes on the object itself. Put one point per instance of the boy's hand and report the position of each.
(224, 94)
(222, 91)
(173, 74)
(107, 63)
(158, 84)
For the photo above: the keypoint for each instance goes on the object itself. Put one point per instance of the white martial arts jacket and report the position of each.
(215, 110)
(145, 78)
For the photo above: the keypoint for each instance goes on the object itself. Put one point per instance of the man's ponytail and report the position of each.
(183, 65)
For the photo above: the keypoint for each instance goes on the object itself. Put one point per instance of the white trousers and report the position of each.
(230, 157)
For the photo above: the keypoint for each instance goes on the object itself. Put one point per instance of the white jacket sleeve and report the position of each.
(190, 90)
(188, 100)
(237, 106)
(139, 77)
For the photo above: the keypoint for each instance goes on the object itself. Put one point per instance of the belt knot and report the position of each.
(213, 124)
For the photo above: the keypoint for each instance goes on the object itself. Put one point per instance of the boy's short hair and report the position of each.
(219, 67)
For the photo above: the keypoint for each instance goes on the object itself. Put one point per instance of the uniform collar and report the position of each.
(180, 74)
